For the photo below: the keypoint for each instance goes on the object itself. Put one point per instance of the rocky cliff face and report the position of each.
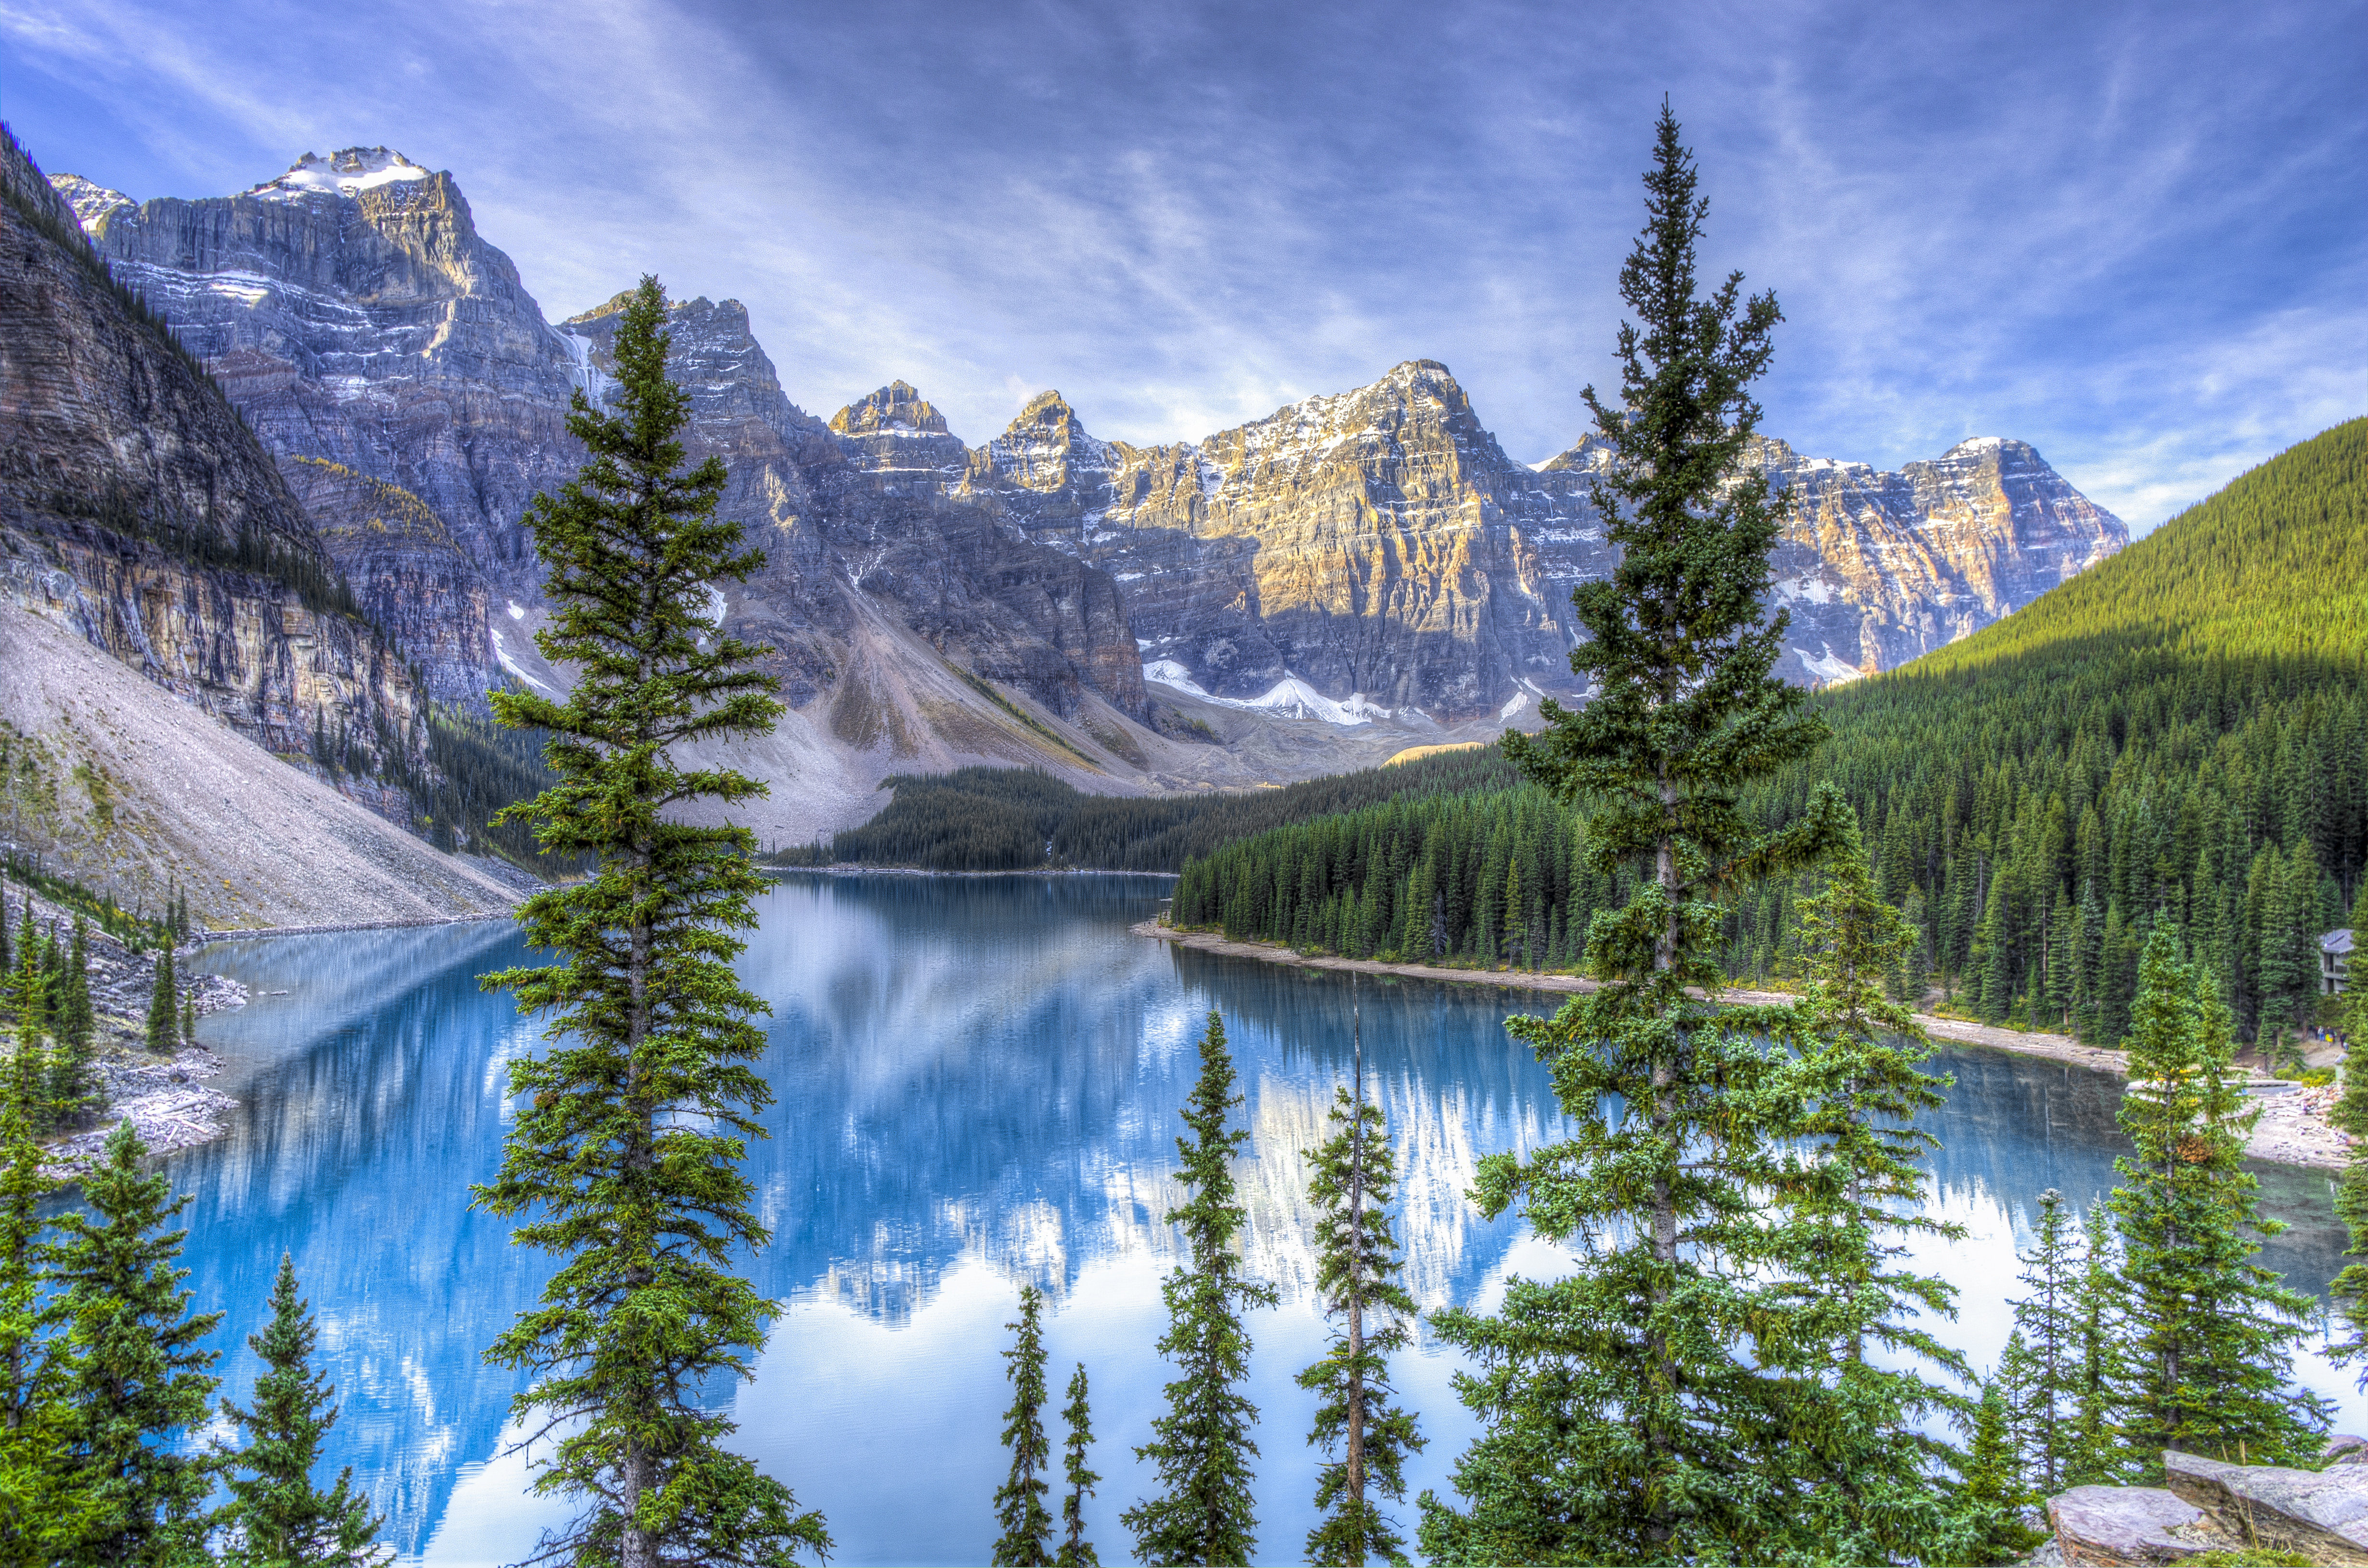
(1878, 567)
(862, 505)
(1377, 545)
(353, 314)
(408, 573)
(136, 508)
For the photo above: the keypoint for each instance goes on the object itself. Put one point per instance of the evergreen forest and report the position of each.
(1013, 819)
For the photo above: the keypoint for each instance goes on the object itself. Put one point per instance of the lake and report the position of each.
(977, 1081)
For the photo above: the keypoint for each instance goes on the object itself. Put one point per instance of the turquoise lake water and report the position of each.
(977, 1084)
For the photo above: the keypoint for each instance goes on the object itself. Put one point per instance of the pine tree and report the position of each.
(71, 1084)
(42, 1512)
(135, 1374)
(2094, 1452)
(2046, 1322)
(78, 1021)
(1357, 1266)
(1076, 1552)
(632, 1123)
(163, 1006)
(1620, 1402)
(31, 1066)
(1995, 1495)
(1867, 1485)
(2211, 1333)
(276, 1518)
(1019, 1502)
(1201, 1448)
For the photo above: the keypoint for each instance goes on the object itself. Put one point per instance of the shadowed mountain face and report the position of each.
(137, 509)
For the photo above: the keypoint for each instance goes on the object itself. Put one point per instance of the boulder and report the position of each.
(2323, 1514)
(2108, 1527)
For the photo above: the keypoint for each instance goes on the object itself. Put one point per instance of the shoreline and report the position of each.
(252, 933)
(2293, 1129)
(843, 870)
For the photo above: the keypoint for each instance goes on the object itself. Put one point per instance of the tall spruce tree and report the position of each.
(42, 1512)
(630, 1127)
(133, 1374)
(1624, 1407)
(2349, 1291)
(72, 1085)
(1357, 1268)
(2047, 1321)
(1076, 1552)
(1995, 1492)
(1201, 1448)
(163, 1004)
(1019, 1501)
(2095, 1454)
(1869, 1485)
(276, 1517)
(30, 1064)
(2211, 1333)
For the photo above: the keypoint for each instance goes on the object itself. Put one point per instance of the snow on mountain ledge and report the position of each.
(342, 173)
(90, 201)
(1290, 697)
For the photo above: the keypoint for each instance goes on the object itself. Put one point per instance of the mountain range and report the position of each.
(1350, 576)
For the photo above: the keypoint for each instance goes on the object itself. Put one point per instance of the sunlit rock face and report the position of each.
(1376, 544)
(1877, 567)
(1379, 547)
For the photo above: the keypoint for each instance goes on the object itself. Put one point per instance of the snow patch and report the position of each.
(716, 606)
(1521, 701)
(518, 610)
(502, 654)
(1806, 591)
(1825, 666)
(1290, 698)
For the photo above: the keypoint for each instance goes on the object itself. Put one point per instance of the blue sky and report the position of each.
(2133, 236)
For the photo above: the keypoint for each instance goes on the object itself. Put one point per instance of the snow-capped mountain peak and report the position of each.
(346, 172)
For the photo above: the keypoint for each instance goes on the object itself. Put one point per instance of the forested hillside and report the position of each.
(1012, 819)
(2179, 735)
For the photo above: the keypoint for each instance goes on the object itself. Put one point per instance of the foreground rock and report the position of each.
(2110, 1526)
(2323, 1514)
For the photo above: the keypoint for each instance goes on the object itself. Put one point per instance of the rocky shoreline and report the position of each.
(2293, 1129)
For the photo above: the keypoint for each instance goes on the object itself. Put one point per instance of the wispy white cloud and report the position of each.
(2124, 234)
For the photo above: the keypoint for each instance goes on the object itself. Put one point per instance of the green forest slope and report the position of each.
(1012, 819)
(2179, 735)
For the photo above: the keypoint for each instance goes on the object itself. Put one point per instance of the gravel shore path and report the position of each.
(2293, 1129)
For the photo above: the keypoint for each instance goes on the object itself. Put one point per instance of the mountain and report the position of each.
(1878, 568)
(177, 632)
(1379, 547)
(1352, 575)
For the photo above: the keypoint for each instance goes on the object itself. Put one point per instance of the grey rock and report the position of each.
(125, 473)
(2110, 1526)
(352, 311)
(2322, 1512)
(2345, 1449)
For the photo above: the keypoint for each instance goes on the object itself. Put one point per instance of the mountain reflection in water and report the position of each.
(977, 1081)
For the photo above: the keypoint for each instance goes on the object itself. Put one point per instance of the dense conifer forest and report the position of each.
(2180, 734)
(1012, 819)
